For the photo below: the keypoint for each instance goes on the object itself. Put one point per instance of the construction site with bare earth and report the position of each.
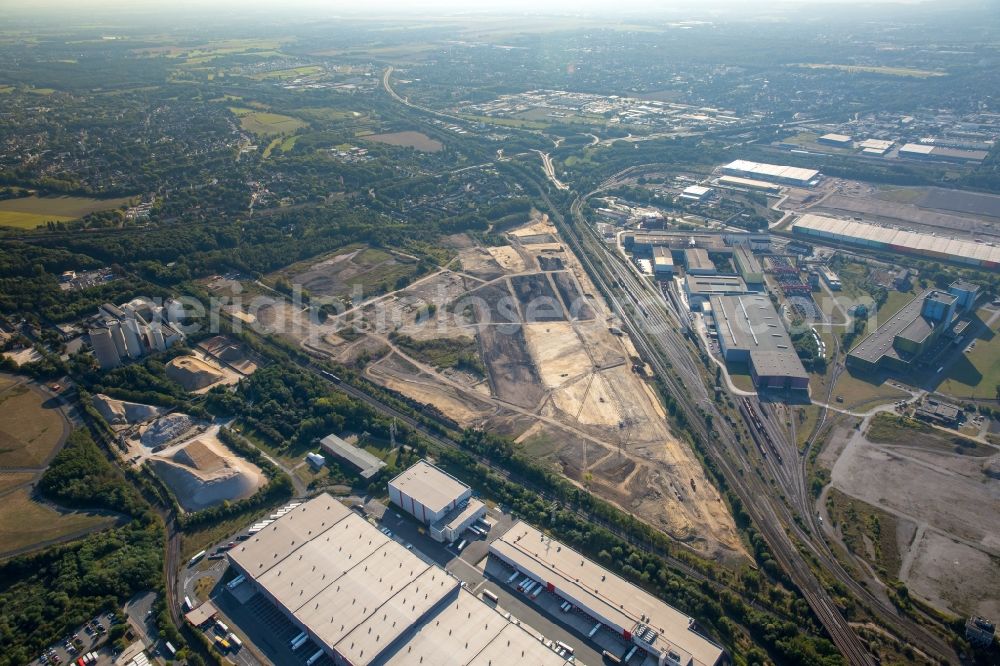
(512, 339)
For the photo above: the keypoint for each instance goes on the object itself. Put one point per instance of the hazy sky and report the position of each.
(451, 6)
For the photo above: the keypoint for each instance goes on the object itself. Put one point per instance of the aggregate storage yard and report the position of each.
(554, 376)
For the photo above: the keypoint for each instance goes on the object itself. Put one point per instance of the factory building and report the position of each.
(663, 262)
(772, 173)
(104, 348)
(751, 331)
(899, 343)
(437, 499)
(876, 147)
(696, 262)
(838, 140)
(665, 634)
(363, 462)
(134, 329)
(749, 184)
(831, 278)
(363, 598)
(696, 193)
(700, 288)
(748, 266)
(919, 151)
(722, 242)
(889, 239)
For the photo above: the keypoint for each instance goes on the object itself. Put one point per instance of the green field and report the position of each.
(868, 532)
(903, 431)
(416, 140)
(978, 373)
(292, 73)
(30, 430)
(263, 123)
(890, 71)
(33, 211)
(328, 113)
(26, 523)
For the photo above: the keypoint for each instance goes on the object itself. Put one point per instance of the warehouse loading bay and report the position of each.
(266, 633)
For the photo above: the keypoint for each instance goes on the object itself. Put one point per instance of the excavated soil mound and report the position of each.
(203, 474)
(119, 412)
(192, 373)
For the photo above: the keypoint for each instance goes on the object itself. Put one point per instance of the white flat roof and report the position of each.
(432, 487)
(469, 632)
(877, 144)
(916, 148)
(842, 138)
(854, 232)
(601, 591)
(764, 170)
(697, 190)
(473, 507)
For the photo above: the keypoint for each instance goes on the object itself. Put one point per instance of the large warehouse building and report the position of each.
(437, 499)
(772, 173)
(751, 331)
(889, 239)
(363, 598)
(899, 343)
(651, 625)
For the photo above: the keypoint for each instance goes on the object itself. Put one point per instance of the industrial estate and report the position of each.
(666, 337)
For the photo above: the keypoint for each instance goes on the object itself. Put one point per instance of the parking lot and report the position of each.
(83, 640)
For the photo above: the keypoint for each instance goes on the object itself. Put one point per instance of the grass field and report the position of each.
(857, 391)
(328, 113)
(30, 212)
(29, 431)
(890, 71)
(25, 523)
(979, 375)
(416, 140)
(263, 123)
(11, 480)
(869, 532)
(292, 73)
(903, 431)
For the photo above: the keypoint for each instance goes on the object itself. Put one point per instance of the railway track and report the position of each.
(773, 517)
(692, 395)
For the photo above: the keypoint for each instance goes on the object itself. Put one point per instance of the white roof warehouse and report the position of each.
(365, 599)
(656, 627)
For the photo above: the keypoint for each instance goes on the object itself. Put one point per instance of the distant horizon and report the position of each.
(459, 8)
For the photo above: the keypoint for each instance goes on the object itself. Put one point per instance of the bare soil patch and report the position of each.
(537, 298)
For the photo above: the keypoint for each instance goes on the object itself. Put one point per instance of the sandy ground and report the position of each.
(462, 408)
(557, 351)
(122, 413)
(508, 258)
(945, 490)
(946, 503)
(539, 226)
(224, 477)
(951, 574)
